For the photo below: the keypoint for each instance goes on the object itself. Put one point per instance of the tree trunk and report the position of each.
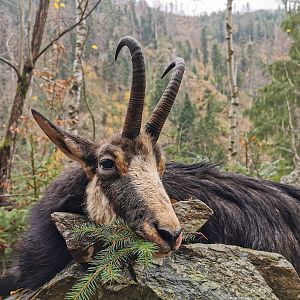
(74, 94)
(234, 95)
(6, 148)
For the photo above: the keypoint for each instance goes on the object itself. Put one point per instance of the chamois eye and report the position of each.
(107, 164)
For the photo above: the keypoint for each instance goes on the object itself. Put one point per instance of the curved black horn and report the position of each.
(132, 124)
(162, 109)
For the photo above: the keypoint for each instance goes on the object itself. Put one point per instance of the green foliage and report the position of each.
(186, 118)
(204, 45)
(219, 66)
(196, 136)
(256, 165)
(263, 170)
(12, 225)
(121, 245)
(36, 171)
(33, 172)
(208, 129)
(147, 31)
(275, 111)
(255, 25)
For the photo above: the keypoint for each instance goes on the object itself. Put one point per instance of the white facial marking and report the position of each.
(98, 207)
(144, 176)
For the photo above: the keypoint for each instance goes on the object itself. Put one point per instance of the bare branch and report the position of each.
(294, 142)
(29, 31)
(83, 17)
(21, 32)
(85, 96)
(290, 81)
(53, 82)
(9, 3)
(12, 66)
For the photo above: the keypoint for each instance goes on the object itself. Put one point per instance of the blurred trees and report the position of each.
(276, 111)
(204, 46)
(30, 51)
(219, 67)
(24, 73)
(196, 130)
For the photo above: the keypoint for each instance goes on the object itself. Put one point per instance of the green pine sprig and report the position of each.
(121, 245)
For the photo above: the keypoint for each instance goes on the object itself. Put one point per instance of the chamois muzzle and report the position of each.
(174, 239)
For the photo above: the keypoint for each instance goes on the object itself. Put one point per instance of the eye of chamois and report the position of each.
(107, 164)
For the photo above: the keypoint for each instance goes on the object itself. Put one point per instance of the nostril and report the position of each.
(168, 236)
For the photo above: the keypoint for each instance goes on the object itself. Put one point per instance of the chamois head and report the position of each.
(125, 172)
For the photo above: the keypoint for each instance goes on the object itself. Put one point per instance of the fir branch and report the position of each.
(86, 229)
(86, 287)
(121, 246)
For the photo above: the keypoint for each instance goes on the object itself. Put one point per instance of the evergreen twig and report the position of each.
(121, 245)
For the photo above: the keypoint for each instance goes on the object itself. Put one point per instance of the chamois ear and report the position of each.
(75, 147)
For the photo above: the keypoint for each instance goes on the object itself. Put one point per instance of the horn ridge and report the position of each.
(162, 109)
(133, 119)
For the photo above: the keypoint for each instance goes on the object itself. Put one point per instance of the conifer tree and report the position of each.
(204, 45)
(276, 111)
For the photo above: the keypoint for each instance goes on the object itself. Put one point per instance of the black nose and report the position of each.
(168, 236)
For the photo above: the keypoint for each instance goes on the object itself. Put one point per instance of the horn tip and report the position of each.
(33, 111)
(119, 47)
(125, 40)
(168, 69)
(176, 62)
(36, 114)
(39, 118)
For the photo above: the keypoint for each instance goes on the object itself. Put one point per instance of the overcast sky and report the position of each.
(200, 6)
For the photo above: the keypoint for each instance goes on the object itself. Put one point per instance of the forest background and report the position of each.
(73, 79)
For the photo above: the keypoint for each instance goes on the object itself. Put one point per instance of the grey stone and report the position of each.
(81, 249)
(192, 214)
(198, 271)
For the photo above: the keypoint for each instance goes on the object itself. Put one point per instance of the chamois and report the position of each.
(127, 177)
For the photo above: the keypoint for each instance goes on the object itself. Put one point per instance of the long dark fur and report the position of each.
(251, 213)
(42, 252)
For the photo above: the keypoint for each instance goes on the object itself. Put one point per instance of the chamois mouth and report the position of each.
(166, 240)
(173, 240)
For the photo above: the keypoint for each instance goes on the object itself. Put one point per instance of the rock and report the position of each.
(82, 250)
(192, 214)
(293, 178)
(56, 288)
(278, 273)
(205, 272)
(199, 271)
